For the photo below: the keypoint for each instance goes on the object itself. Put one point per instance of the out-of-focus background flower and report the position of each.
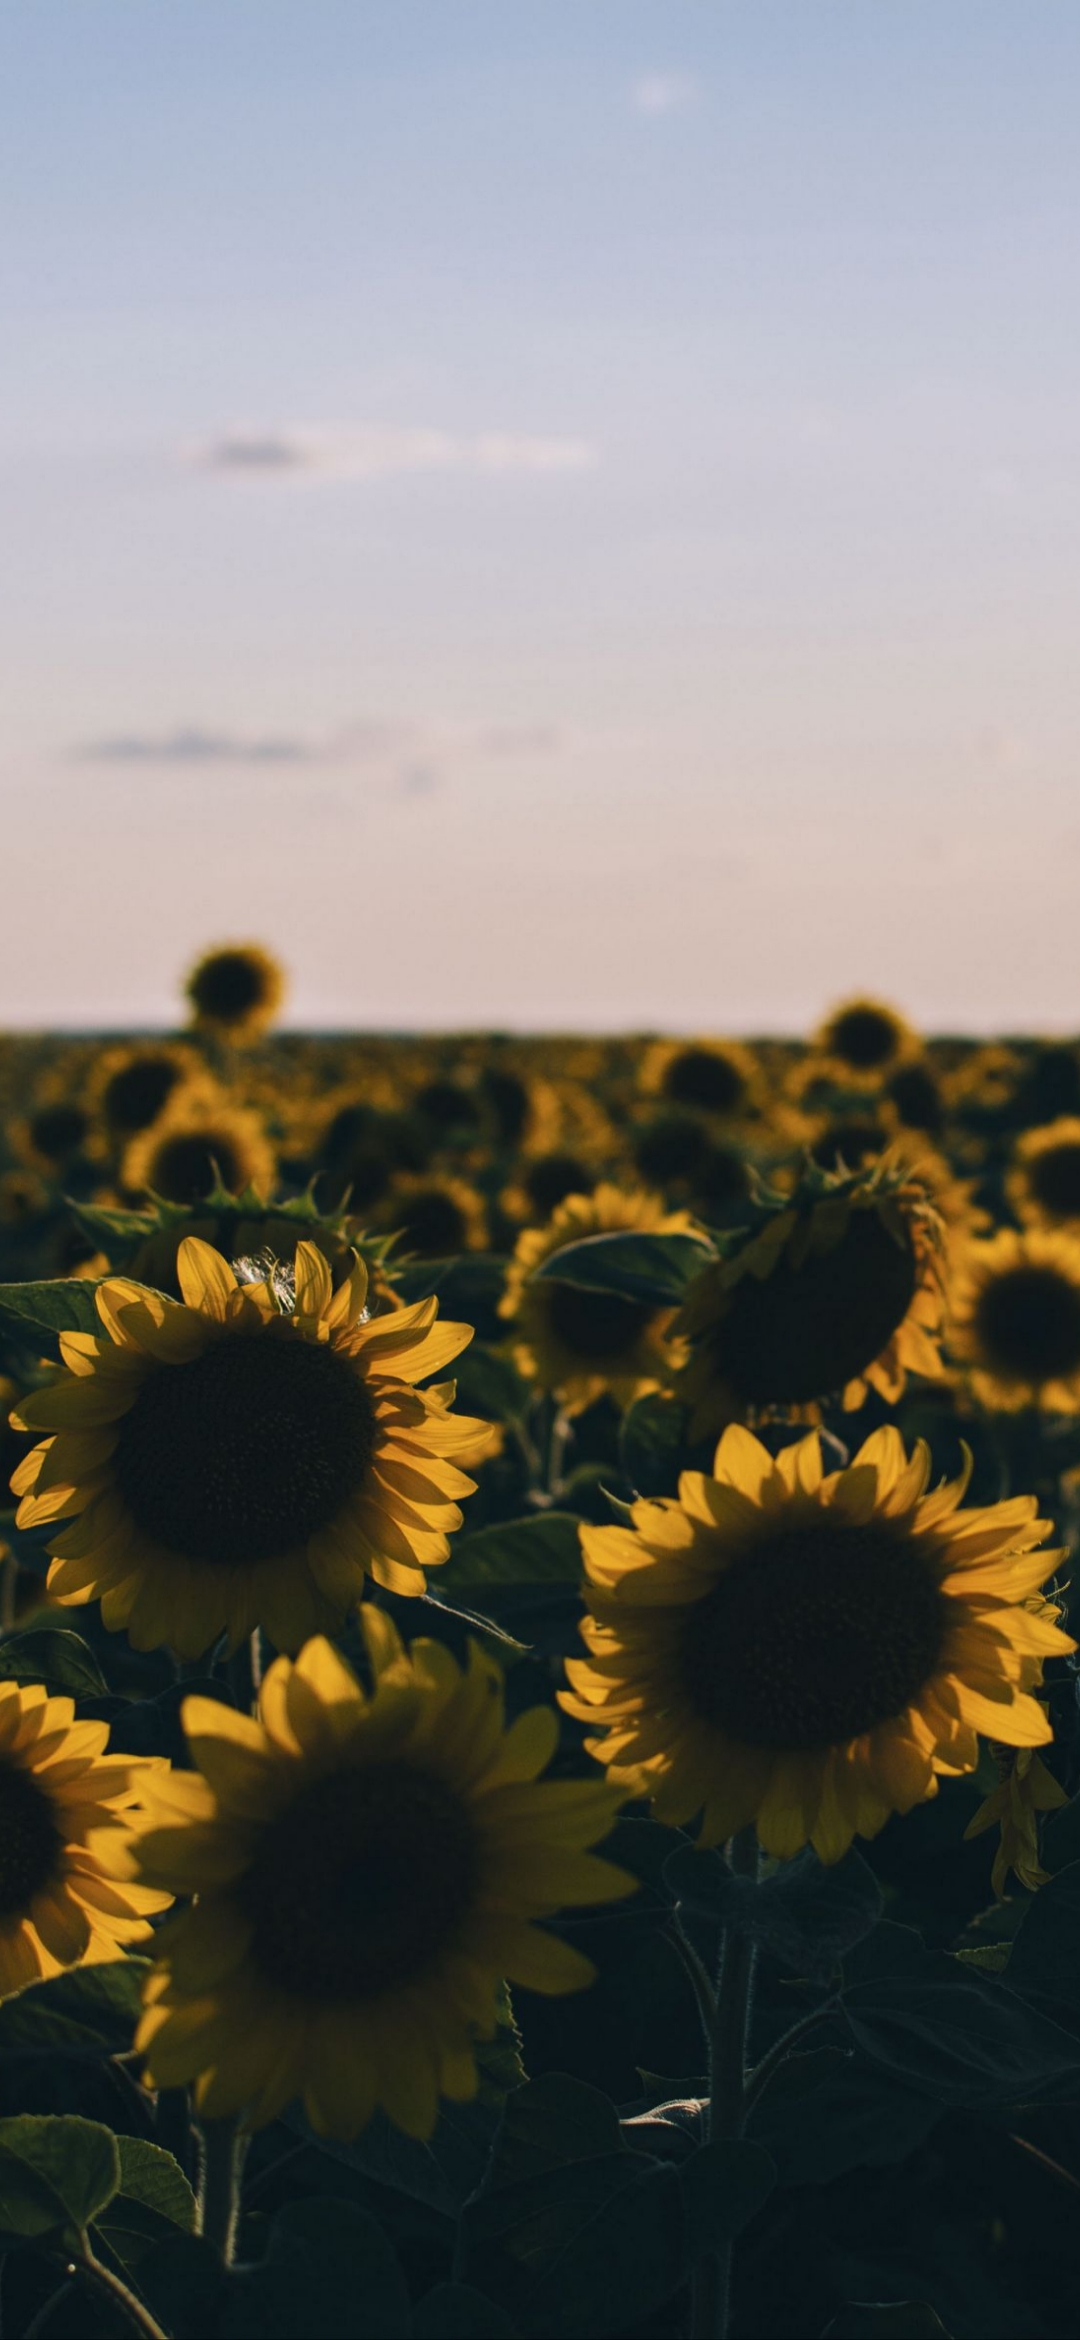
(551, 516)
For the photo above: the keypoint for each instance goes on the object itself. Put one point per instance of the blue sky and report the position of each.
(545, 515)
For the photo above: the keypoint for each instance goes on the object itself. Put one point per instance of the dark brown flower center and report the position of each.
(246, 1451)
(186, 1168)
(551, 1177)
(432, 1223)
(229, 984)
(30, 1841)
(813, 1637)
(1027, 1323)
(57, 1130)
(864, 1037)
(1054, 1179)
(698, 1076)
(917, 1098)
(598, 1327)
(135, 1095)
(362, 1885)
(802, 1332)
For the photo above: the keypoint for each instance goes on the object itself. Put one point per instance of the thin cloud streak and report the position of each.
(365, 451)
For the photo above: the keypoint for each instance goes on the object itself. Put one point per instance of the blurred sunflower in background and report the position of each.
(1043, 1184)
(235, 991)
(1014, 1319)
(863, 1040)
(581, 1344)
(230, 1462)
(365, 1872)
(718, 1077)
(66, 1813)
(131, 1084)
(434, 1214)
(833, 1290)
(809, 1653)
(200, 1141)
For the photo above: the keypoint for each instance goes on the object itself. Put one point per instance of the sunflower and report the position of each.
(1043, 1185)
(365, 1872)
(580, 1343)
(863, 1040)
(718, 1077)
(435, 1215)
(236, 991)
(832, 1289)
(809, 1653)
(61, 1901)
(231, 1461)
(1014, 1320)
(131, 1084)
(199, 1142)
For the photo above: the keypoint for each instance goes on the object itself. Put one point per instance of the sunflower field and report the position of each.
(539, 1755)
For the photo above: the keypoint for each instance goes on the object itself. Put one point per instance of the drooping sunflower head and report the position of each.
(1043, 1185)
(244, 1228)
(235, 991)
(246, 1456)
(718, 1077)
(809, 1653)
(365, 1872)
(201, 1141)
(865, 1040)
(831, 1290)
(1014, 1319)
(61, 1899)
(580, 1343)
(132, 1084)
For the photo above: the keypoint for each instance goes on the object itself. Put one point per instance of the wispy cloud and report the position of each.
(408, 759)
(362, 451)
(663, 93)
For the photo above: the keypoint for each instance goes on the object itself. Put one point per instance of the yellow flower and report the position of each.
(131, 1084)
(809, 1653)
(863, 1040)
(200, 1142)
(1014, 1309)
(1043, 1185)
(365, 1872)
(436, 1215)
(62, 1902)
(836, 1289)
(1025, 1788)
(716, 1076)
(581, 1343)
(227, 1463)
(236, 991)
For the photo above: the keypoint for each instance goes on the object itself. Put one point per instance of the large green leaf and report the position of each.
(154, 2200)
(877, 2319)
(805, 1915)
(724, 2184)
(89, 2012)
(37, 1313)
(454, 2311)
(56, 1657)
(654, 1268)
(329, 2269)
(826, 2111)
(966, 2041)
(543, 1549)
(57, 2174)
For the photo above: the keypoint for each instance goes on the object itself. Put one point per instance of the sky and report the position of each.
(546, 517)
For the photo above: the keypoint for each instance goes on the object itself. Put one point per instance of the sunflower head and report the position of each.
(243, 1228)
(235, 991)
(578, 1343)
(1014, 1319)
(66, 1814)
(434, 1215)
(245, 1456)
(805, 1652)
(832, 1289)
(717, 1077)
(200, 1143)
(131, 1085)
(865, 1040)
(1043, 1185)
(365, 1871)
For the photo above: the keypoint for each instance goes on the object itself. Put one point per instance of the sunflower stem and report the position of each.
(131, 2307)
(711, 2303)
(223, 2148)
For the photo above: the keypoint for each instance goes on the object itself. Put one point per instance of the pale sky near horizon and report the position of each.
(544, 515)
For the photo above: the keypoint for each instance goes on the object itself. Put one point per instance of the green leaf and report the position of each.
(488, 1384)
(183, 2281)
(653, 1268)
(154, 2200)
(901, 2319)
(575, 2232)
(56, 1657)
(964, 2039)
(652, 1443)
(805, 1915)
(90, 2012)
(543, 1549)
(115, 1232)
(57, 2173)
(1044, 1961)
(329, 2269)
(829, 2111)
(454, 2311)
(724, 2184)
(36, 1314)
